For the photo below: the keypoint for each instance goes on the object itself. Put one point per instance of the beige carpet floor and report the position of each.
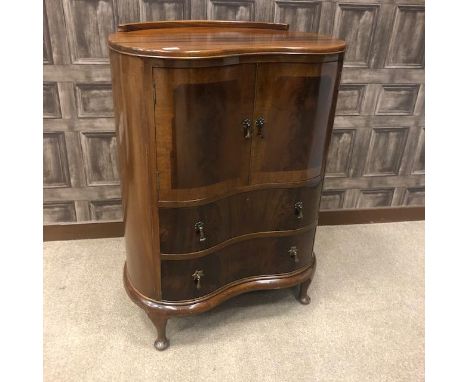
(365, 321)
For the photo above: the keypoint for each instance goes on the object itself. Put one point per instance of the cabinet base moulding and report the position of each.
(160, 311)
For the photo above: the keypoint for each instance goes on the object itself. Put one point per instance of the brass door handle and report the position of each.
(298, 210)
(293, 252)
(197, 275)
(247, 125)
(199, 228)
(260, 123)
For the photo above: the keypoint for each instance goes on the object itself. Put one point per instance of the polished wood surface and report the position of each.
(248, 212)
(202, 304)
(133, 147)
(232, 241)
(294, 100)
(200, 23)
(264, 256)
(213, 197)
(213, 39)
(221, 157)
(200, 143)
(203, 148)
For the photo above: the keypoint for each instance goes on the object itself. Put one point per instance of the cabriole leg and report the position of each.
(160, 322)
(303, 297)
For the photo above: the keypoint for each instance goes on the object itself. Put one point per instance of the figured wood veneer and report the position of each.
(263, 210)
(260, 256)
(222, 132)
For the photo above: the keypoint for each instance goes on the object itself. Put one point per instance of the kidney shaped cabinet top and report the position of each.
(199, 39)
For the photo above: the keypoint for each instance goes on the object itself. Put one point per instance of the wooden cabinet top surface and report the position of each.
(200, 39)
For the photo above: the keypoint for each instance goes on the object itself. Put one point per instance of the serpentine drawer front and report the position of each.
(222, 131)
(192, 229)
(194, 278)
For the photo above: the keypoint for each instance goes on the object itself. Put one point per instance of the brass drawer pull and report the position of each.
(298, 210)
(247, 125)
(197, 278)
(293, 252)
(199, 228)
(260, 123)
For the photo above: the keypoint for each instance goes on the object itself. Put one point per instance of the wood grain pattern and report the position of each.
(99, 152)
(390, 140)
(151, 10)
(94, 100)
(195, 42)
(46, 46)
(133, 142)
(200, 144)
(264, 256)
(89, 22)
(414, 196)
(248, 212)
(166, 309)
(55, 162)
(407, 52)
(51, 101)
(106, 210)
(242, 10)
(350, 99)
(397, 100)
(199, 23)
(355, 23)
(55, 212)
(339, 153)
(419, 163)
(302, 16)
(195, 134)
(295, 102)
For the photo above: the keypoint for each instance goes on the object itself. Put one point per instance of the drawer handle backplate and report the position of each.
(247, 125)
(197, 278)
(199, 228)
(293, 252)
(298, 210)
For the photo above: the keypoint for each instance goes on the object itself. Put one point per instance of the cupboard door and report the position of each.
(201, 147)
(295, 102)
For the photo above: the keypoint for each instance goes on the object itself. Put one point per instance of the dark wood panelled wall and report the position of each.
(376, 156)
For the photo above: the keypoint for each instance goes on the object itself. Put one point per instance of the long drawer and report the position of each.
(196, 277)
(193, 229)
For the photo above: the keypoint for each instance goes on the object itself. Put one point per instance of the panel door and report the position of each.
(295, 101)
(201, 146)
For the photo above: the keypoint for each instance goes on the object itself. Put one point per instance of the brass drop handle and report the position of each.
(260, 123)
(293, 252)
(197, 278)
(199, 229)
(247, 125)
(298, 210)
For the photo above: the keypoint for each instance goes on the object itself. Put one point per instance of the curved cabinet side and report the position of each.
(131, 120)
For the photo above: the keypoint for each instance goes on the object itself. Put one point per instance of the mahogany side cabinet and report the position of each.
(222, 135)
